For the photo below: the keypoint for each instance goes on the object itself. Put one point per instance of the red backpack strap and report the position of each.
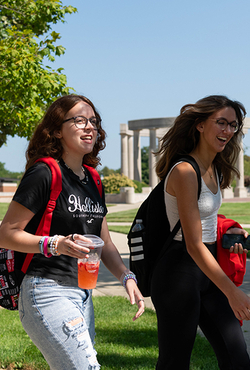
(96, 177)
(55, 190)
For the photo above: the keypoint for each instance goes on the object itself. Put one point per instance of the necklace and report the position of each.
(85, 178)
(211, 176)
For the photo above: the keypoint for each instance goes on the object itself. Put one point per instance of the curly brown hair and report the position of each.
(44, 143)
(183, 136)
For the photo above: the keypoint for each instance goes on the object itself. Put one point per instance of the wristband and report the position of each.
(48, 246)
(41, 242)
(45, 248)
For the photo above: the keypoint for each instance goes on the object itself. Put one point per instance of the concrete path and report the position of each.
(108, 285)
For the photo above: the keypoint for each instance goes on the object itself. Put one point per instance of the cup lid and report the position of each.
(96, 241)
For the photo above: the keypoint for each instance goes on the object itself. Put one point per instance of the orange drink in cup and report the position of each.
(88, 268)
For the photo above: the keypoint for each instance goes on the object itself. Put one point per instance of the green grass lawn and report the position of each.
(240, 212)
(120, 342)
(3, 209)
(119, 229)
(125, 216)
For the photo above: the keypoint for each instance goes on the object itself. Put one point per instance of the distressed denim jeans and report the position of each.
(60, 321)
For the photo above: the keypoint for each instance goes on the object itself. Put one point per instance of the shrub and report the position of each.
(247, 181)
(113, 183)
(139, 185)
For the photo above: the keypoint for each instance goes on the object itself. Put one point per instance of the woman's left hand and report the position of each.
(237, 248)
(135, 296)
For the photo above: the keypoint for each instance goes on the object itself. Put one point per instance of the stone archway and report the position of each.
(155, 128)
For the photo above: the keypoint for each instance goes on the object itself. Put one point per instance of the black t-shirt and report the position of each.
(79, 209)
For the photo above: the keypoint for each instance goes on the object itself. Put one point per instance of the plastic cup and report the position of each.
(88, 268)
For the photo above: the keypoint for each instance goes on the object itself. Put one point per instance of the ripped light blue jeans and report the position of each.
(60, 321)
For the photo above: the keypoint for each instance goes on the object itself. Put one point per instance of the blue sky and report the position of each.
(146, 59)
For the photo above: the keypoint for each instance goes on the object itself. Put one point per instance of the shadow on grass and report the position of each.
(109, 362)
(131, 349)
(122, 344)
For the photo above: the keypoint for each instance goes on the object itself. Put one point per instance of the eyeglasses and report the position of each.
(81, 122)
(223, 123)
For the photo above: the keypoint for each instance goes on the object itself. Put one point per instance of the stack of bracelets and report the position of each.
(48, 246)
(128, 275)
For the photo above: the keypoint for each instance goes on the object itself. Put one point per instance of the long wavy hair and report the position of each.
(183, 137)
(43, 142)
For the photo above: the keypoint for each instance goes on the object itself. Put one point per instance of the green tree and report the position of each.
(27, 86)
(9, 174)
(145, 164)
(105, 171)
(246, 165)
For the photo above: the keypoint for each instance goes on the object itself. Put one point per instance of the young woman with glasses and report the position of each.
(57, 314)
(189, 288)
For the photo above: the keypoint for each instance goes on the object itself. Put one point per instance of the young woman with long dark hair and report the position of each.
(57, 314)
(189, 288)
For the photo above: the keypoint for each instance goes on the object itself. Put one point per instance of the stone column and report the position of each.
(137, 156)
(158, 156)
(124, 154)
(240, 190)
(130, 157)
(124, 149)
(152, 160)
(227, 193)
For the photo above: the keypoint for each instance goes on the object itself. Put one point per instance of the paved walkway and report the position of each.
(108, 285)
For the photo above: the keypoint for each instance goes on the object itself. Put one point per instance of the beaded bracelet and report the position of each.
(127, 277)
(45, 248)
(54, 245)
(126, 272)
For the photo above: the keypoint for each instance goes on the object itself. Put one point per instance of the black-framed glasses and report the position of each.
(81, 122)
(223, 123)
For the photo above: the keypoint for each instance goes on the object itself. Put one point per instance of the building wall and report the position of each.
(6, 187)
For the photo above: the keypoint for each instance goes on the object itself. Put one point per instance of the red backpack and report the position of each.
(11, 275)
